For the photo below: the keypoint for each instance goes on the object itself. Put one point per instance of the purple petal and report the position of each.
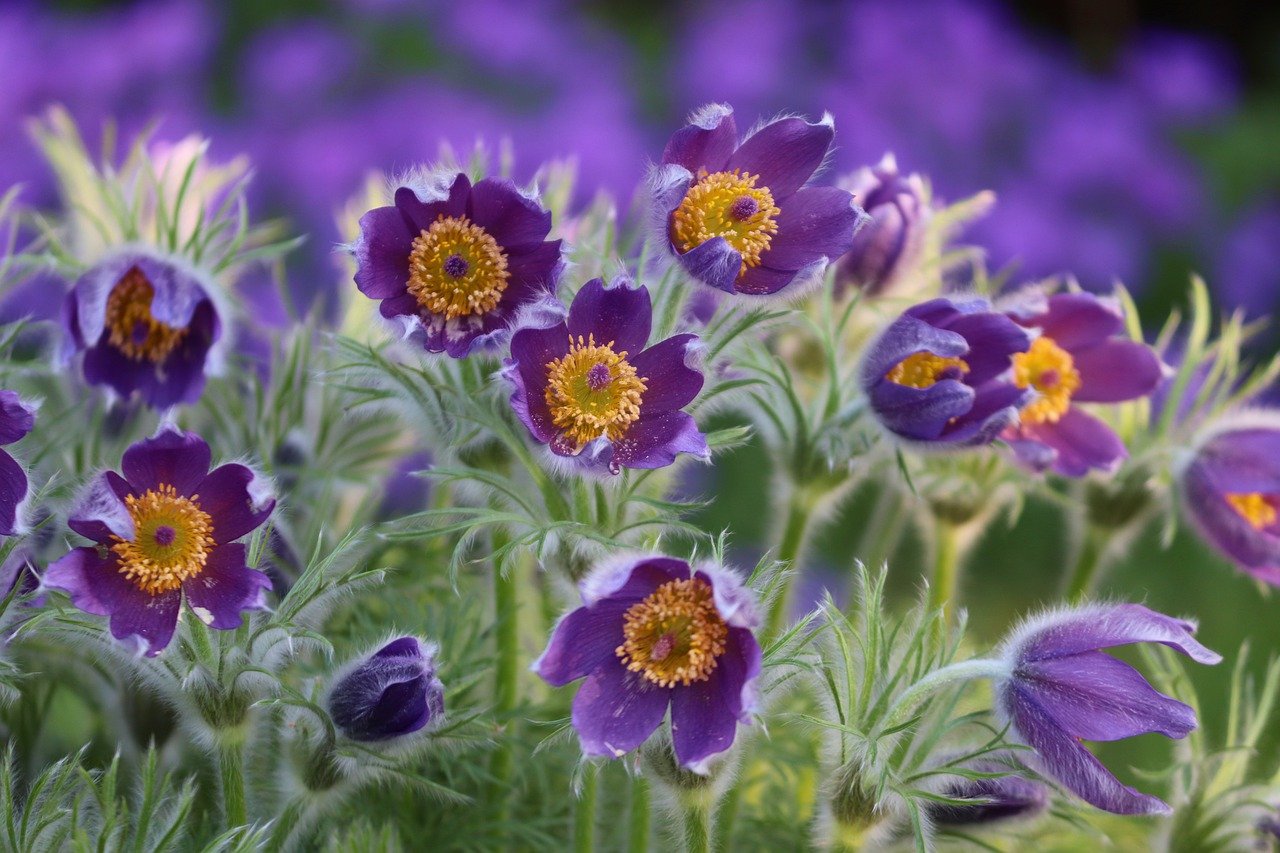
(1117, 370)
(16, 417)
(1077, 320)
(13, 488)
(532, 349)
(706, 142)
(619, 315)
(171, 457)
(1080, 443)
(100, 511)
(227, 494)
(1101, 627)
(96, 586)
(535, 270)
(1242, 460)
(671, 382)
(584, 640)
(655, 440)
(816, 222)
(764, 280)
(382, 253)
(784, 153)
(705, 715)
(631, 578)
(995, 408)
(1063, 757)
(714, 263)
(1096, 697)
(1222, 526)
(904, 337)
(226, 588)
(615, 710)
(450, 201)
(512, 219)
(993, 339)
(921, 414)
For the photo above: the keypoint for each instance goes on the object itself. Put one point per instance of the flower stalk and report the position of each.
(584, 813)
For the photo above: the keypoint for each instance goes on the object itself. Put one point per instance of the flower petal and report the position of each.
(784, 154)
(16, 417)
(655, 440)
(447, 199)
(532, 349)
(921, 414)
(764, 280)
(228, 495)
(619, 315)
(382, 253)
(706, 142)
(583, 641)
(536, 270)
(714, 263)
(816, 222)
(97, 586)
(510, 217)
(171, 457)
(1117, 370)
(226, 588)
(1104, 626)
(1080, 443)
(705, 715)
(671, 382)
(1077, 320)
(906, 336)
(615, 710)
(100, 511)
(13, 488)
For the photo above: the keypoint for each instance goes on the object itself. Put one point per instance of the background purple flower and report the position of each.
(1007, 797)
(653, 633)
(391, 693)
(16, 420)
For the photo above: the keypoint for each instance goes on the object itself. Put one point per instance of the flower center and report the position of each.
(1050, 370)
(924, 370)
(675, 636)
(1255, 508)
(728, 205)
(172, 540)
(130, 326)
(457, 269)
(593, 391)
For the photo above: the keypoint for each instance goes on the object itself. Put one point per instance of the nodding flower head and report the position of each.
(392, 693)
(736, 214)
(453, 264)
(887, 248)
(164, 531)
(654, 633)
(996, 798)
(939, 374)
(1060, 689)
(1081, 355)
(591, 387)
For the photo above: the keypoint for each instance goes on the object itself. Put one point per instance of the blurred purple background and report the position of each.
(1158, 158)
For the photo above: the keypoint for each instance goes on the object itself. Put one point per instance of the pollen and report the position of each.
(728, 205)
(924, 370)
(457, 269)
(675, 636)
(1050, 370)
(131, 327)
(592, 392)
(172, 540)
(1255, 508)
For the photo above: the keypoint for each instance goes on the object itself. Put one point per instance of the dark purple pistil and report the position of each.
(744, 207)
(456, 266)
(165, 535)
(950, 372)
(663, 647)
(599, 377)
(1049, 378)
(140, 332)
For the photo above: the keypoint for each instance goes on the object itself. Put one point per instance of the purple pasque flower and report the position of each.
(452, 263)
(737, 215)
(886, 249)
(589, 387)
(16, 420)
(1082, 355)
(997, 798)
(1230, 491)
(146, 325)
(939, 373)
(1060, 689)
(165, 530)
(391, 693)
(652, 633)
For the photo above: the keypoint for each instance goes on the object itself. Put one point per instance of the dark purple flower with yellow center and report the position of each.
(1231, 493)
(939, 373)
(738, 215)
(145, 325)
(1060, 689)
(16, 420)
(996, 798)
(589, 387)
(890, 244)
(654, 633)
(453, 263)
(391, 693)
(165, 530)
(1082, 355)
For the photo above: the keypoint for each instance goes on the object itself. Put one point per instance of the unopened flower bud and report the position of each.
(392, 693)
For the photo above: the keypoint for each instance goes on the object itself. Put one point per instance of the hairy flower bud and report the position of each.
(887, 248)
(392, 693)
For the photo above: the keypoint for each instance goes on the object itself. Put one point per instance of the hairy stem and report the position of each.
(638, 837)
(697, 827)
(799, 510)
(1088, 565)
(584, 812)
(506, 688)
(946, 567)
(231, 770)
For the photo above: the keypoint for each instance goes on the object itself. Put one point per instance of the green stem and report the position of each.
(946, 567)
(966, 670)
(883, 530)
(506, 688)
(1084, 574)
(638, 838)
(726, 815)
(584, 813)
(231, 768)
(789, 547)
(697, 828)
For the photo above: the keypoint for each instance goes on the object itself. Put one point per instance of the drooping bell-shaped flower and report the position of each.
(891, 243)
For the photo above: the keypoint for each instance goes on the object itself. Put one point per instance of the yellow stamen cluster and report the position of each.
(924, 369)
(457, 269)
(675, 636)
(1051, 371)
(1255, 508)
(593, 391)
(728, 205)
(130, 326)
(172, 540)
